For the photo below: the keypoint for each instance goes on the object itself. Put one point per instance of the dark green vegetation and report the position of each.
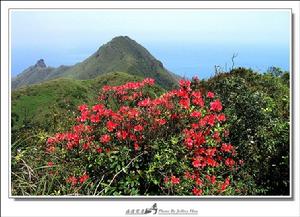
(257, 107)
(121, 54)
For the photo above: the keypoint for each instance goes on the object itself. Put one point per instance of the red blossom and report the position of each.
(86, 146)
(221, 117)
(83, 107)
(210, 95)
(196, 163)
(161, 121)
(166, 179)
(211, 179)
(50, 164)
(149, 81)
(122, 134)
(175, 180)
(136, 146)
(216, 105)
(185, 84)
(99, 150)
(72, 180)
(83, 178)
(197, 191)
(144, 103)
(225, 184)
(210, 119)
(195, 114)
(198, 181)
(229, 162)
(50, 149)
(211, 162)
(184, 103)
(138, 128)
(105, 138)
(95, 118)
(111, 126)
(226, 147)
(189, 142)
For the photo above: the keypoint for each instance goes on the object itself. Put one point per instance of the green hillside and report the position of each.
(42, 104)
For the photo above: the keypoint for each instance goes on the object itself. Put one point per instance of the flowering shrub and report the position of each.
(133, 143)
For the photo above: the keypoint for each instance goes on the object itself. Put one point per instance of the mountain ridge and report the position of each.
(121, 54)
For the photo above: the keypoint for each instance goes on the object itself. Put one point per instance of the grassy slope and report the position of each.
(37, 102)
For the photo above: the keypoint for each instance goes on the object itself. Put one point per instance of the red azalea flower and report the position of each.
(83, 178)
(197, 191)
(144, 103)
(166, 179)
(84, 116)
(189, 142)
(106, 88)
(175, 180)
(83, 107)
(198, 101)
(105, 138)
(51, 140)
(210, 119)
(70, 146)
(50, 149)
(226, 147)
(50, 164)
(210, 95)
(86, 146)
(211, 152)
(221, 117)
(195, 114)
(216, 105)
(185, 103)
(122, 134)
(149, 81)
(136, 146)
(160, 121)
(95, 118)
(111, 126)
(99, 150)
(198, 181)
(213, 179)
(138, 128)
(211, 162)
(97, 108)
(73, 180)
(229, 162)
(196, 163)
(225, 184)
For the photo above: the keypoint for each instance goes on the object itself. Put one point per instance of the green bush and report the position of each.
(258, 107)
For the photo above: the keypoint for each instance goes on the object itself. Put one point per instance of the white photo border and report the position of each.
(142, 200)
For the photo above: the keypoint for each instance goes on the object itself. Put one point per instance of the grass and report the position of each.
(35, 103)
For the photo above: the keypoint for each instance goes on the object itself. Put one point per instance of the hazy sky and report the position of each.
(191, 40)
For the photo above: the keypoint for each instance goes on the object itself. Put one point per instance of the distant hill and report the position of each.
(36, 74)
(121, 54)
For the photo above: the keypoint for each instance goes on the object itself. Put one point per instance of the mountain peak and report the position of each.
(40, 63)
(121, 37)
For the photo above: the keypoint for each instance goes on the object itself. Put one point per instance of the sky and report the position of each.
(189, 42)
